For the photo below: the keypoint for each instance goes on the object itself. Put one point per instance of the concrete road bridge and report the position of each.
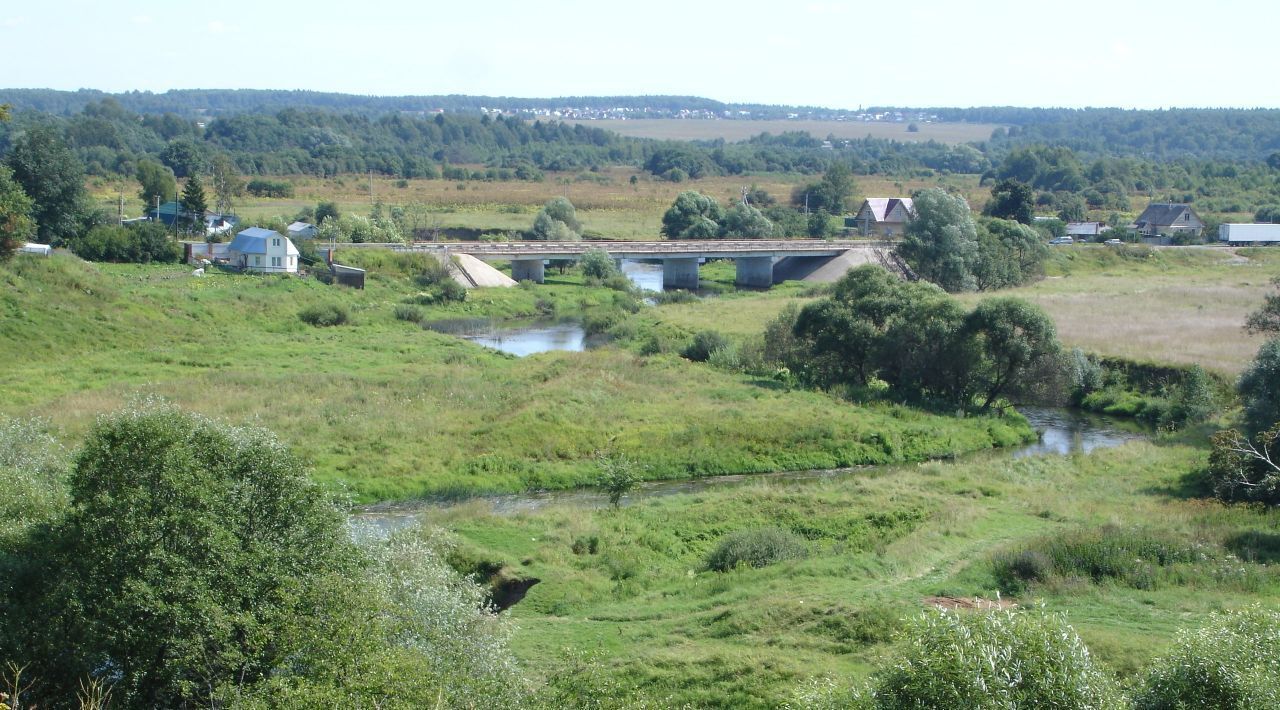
(755, 258)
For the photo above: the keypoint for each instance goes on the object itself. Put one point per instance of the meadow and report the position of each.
(1177, 305)
(608, 205)
(629, 589)
(733, 131)
(386, 409)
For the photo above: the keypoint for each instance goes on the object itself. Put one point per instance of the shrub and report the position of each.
(756, 548)
(996, 659)
(1129, 556)
(409, 313)
(269, 188)
(451, 291)
(597, 264)
(141, 244)
(323, 315)
(1228, 663)
(676, 296)
(704, 343)
(602, 320)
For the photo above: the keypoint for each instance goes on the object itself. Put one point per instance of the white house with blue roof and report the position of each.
(263, 250)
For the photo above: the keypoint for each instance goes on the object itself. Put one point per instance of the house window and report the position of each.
(275, 242)
(257, 261)
(275, 261)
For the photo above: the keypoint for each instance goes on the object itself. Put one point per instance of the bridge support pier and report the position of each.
(681, 272)
(528, 270)
(754, 271)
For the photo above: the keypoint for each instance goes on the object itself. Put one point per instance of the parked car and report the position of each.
(1062, 240)
(1113, 242)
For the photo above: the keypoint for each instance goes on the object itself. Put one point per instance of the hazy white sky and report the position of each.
(817, 52)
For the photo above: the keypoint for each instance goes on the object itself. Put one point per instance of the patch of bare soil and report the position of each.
(969, 603)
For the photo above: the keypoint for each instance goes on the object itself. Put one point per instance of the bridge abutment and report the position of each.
(681, 272)
(754, 271)
(528, 270)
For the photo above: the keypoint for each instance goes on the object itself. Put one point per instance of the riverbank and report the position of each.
(385, 410)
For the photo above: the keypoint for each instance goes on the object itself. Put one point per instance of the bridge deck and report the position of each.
(710, 248)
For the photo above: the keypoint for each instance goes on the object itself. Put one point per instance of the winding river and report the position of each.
(1061, 432)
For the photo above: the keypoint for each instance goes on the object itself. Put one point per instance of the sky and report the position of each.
(1126, 53)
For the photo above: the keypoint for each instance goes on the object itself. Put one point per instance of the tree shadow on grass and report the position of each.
(1255, 546)
(1192, 484)
(768, 384)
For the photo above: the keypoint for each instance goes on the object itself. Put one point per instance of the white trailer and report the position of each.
(1249, 233)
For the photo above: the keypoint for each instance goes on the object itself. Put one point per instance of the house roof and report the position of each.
(254, 241)
(1086, 228)
(1162, 214)
(883, 206)
(299, 226)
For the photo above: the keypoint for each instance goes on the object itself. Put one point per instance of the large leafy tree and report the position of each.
(157, 182)
(1014, 338)
(941, 243)
(227, 184)
(1011, 199)
(693, 215)
(747, 222)
(53, 178)
(831, 194)
(16, 225)
(557, 221)
(194, 554)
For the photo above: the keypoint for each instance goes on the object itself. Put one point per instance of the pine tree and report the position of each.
(193, 203)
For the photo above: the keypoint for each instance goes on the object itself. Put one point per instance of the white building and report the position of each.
(302, 230)
(263, 250)
(1249, 233)
(883, 216)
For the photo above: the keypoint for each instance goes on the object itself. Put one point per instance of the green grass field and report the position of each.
(882, 546)
(390, 410)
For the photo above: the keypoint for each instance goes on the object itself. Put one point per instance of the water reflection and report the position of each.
(520, 340)
(644, 275)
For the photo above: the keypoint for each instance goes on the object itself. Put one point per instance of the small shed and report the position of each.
(263, 250)
(302, 230)
(37, 249)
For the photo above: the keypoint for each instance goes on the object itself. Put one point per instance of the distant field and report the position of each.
(701, 129)
(607, 202)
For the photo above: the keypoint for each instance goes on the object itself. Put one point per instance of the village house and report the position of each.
(1160, 222)
(263, 250)
(882, 216)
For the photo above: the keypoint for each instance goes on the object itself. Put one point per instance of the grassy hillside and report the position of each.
(629, 587)
(391, 410)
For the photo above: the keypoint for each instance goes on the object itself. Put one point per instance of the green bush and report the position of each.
(409, 313)
(323, 315)
(996, 659)
(597, 264)
(269, 188)
(1229, 663)
(704, 343)
(1129, 556)
(756, 548)
(141, 244)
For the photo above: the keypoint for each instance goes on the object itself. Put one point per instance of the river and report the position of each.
(1061, 432)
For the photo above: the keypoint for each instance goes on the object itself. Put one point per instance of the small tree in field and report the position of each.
(619, 475)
